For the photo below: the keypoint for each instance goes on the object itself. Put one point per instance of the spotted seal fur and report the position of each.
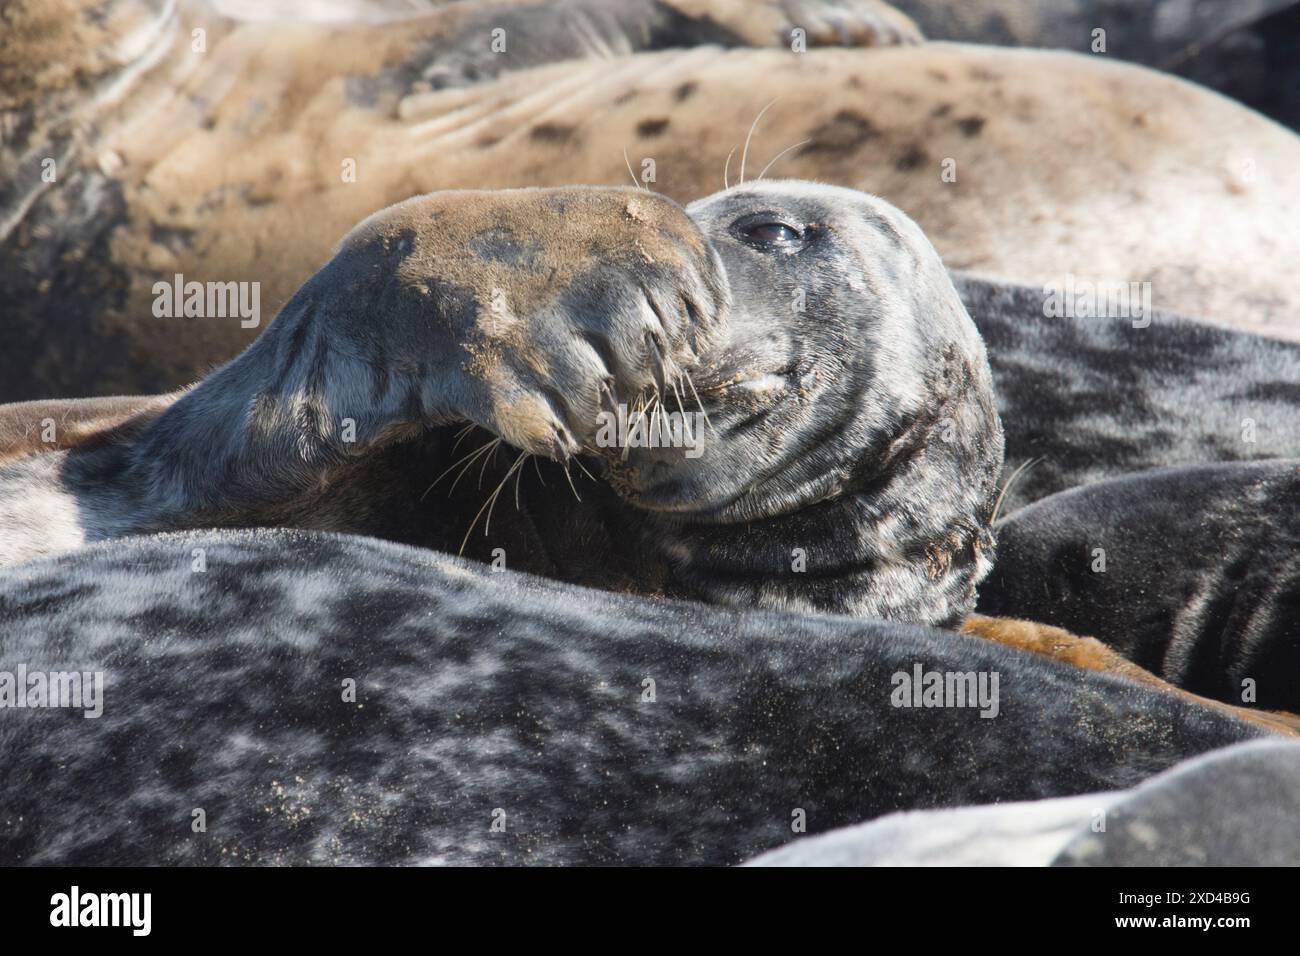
(706, 291)
(502, 718)
(229, 166)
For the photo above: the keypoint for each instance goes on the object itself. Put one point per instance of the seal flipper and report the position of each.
(1091, 654)
(463, 306)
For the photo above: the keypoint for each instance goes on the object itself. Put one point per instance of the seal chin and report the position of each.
(727, 480)
(665, 485)
(742, 506)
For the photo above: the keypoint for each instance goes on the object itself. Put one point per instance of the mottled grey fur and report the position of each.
(478, 691)
(862, 429)
(1092, 397)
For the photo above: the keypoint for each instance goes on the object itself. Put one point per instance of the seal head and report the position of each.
(854, 433)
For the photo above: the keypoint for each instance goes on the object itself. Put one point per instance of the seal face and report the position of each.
(851, 412)
(852, 449)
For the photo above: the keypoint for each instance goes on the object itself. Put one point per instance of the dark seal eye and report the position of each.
(772, 232)
(768, 232)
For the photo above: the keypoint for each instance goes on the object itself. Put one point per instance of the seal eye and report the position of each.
(768, 232)
(772, 232)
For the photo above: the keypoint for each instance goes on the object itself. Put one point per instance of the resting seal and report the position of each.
(1200, 581)
(850, 458)
(244, 162)
(850, 461)
(503, 699)
(862, 422)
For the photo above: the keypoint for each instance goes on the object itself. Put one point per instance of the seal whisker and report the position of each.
(773, 160)
(655, 414)
(468, 465)
(488, 503)
(627, 162)
(649, 404)
(752, 126)
(492, 500)
(727, 169)
(487, 460)
(461, 435)
(519, 475)
(680, 407)
(1009, 483)
(570, 480)
(691, 383)
(578, 462)
(470, 458)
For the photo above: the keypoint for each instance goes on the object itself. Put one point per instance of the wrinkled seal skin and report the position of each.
(224, 690)
(1202, 577)
(848, 397)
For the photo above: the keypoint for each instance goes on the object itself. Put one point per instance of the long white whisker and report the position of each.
(640, 415)
(628, 162)
(680, 407)
(514, 469)
(461, 435)
(752, 126)
(487, 461)
(470, 464)
(780, 154)
(487, 505)
(691, 383)
(569, 477)
(578, 462)
(470, 458)
(518, 475)
(1015, 476)
(727, 168)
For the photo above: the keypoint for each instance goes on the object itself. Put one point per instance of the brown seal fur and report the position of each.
(227, 165)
